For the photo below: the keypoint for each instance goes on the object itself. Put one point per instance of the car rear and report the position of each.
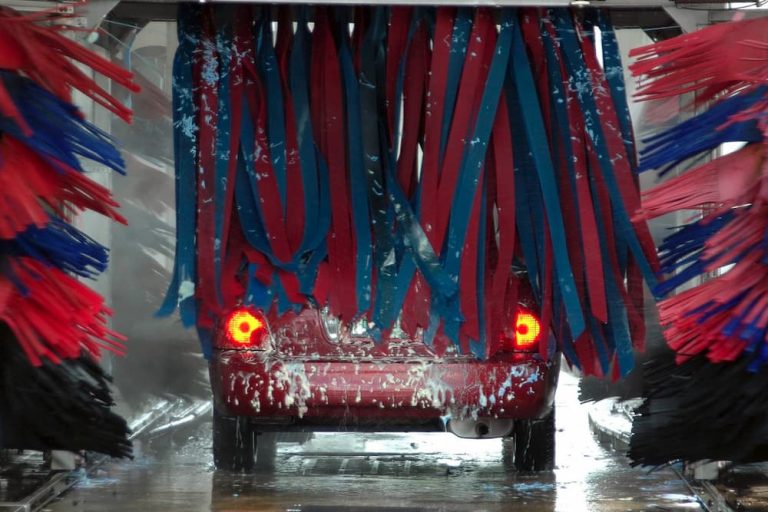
(309, 371)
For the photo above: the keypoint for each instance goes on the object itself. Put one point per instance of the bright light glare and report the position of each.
(241, 325)
(527, 329)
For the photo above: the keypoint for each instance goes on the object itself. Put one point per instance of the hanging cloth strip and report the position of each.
(320, 195)
(536, 138)
(181, 290)
(328, 122)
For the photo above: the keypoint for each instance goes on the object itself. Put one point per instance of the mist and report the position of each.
(163, 358)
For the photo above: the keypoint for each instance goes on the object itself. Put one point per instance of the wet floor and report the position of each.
(392, 473)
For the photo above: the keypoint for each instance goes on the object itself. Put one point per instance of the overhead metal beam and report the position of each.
(643, 14)
(626, 4)
(689, 19)
(723, 16)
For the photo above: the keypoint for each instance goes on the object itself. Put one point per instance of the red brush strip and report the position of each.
(418, 299)
(233, 286)
(28, 185)
(236, 74)
(726, 181)
(413, 101)
(603, 198)
(416, 306)
(713, 60)
(56, 317)
(435, 106)
(609, 121)
(593, 259)
(584, 347)
(206, 75)
(43, 54)
(690, 335)
(294, 211)
(470, 328)
(470, 91)
(341, 248)
(504, 197)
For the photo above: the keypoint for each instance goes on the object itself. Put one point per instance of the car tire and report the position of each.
(531, 446)
(237, 446)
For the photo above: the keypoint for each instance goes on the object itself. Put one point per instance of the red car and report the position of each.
(308, 372)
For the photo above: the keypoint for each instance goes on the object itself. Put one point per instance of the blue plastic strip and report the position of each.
(270, 71)
(298, 79)
(537, 139)
(182, 287)
(462, 28)
(60, 245)
(59, 134)
(474, 157)
(314, 172)
(614, 74)
(695, 135)
(257, 294)
(479, 347)
(617, 329)
(579, 79)
(357, 177)
(372, 64)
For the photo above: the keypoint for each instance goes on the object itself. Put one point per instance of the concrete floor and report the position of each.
(396, 473)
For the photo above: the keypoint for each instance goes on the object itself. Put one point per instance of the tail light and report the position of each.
(246, 328)
(524, 333)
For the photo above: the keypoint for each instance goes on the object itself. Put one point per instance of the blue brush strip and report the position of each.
(462, 28)
(579, 78)
(182, 287)
(696, 135)
(270, 71)
(357, 177)
(59, 134)
(479, 347)
(375, 150)
(527, 191)
(405, 257)
(681, 252)
(314, 172)
(614, 75)
(62, 246)
(257, 294)
(616, 331)
(537, 139)
(474, 157)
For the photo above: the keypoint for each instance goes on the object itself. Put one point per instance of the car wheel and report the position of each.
(531, 446)
(237, 446)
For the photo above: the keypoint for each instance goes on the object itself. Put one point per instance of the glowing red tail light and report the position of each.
(524, 334)
(246, 328)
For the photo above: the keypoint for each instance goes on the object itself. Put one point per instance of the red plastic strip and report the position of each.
(341, 246)
(205, 73)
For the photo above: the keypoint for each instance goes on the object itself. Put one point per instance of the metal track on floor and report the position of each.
(162, 417)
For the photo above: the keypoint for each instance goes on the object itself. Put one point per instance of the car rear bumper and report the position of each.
(289, 391)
